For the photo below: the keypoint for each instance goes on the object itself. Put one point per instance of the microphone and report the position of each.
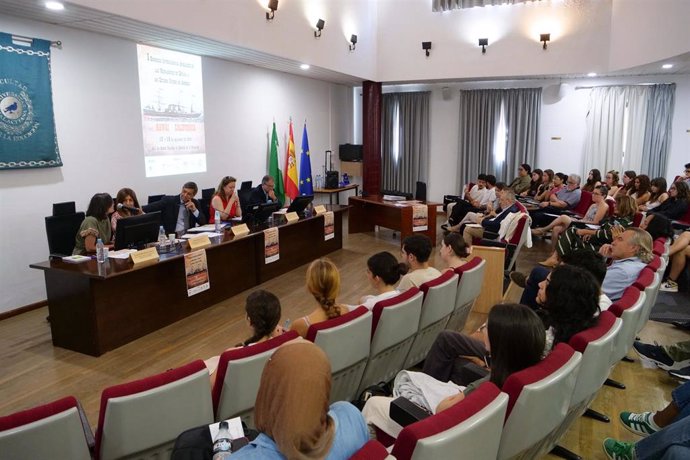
(121, 206)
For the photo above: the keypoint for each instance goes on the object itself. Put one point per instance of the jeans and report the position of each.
(671, 443)
(442, 361)
(529, 295)
(681, 398)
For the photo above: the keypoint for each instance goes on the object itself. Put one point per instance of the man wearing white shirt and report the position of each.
(476, 200)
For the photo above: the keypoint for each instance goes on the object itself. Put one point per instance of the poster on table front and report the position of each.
(271, 246)
(196, 272)
(328, 226)
(420, 218)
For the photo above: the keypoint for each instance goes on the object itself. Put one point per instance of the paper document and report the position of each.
(121, 254)
(206, 228)
(193, 235)
(234, 427)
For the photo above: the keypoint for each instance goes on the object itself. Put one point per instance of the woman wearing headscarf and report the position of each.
(292, 411)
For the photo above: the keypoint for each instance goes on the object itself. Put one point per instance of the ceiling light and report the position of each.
(667, 66)
(319, 28)
(544, 38)
(304, 66)
(426, 46)
(55, 6)
(273, 6)
(592, 74)
(483, 42)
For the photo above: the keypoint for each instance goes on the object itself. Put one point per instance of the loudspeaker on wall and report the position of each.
(446, 93)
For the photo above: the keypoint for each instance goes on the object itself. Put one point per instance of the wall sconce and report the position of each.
(426, 46)
(544, 38)
(483, 42)
(273, 6)
(319, 27)
(353, 42)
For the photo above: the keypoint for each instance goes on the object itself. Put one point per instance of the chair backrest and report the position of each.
(469, 429)
(628, 308)
(66, 207)
(648, 281)
(61, 232)
(394, 324)
(144, 417)
(518, 239)
(346, 341)
(685, 218)
(246, 185)
(584, 204)
(207, 193)
(238, 377)
(154, 198)
(372, 450)
(469, 287)
(637, 219)
(420, 191)
(539, 398)
(438, 305)
(53, 430)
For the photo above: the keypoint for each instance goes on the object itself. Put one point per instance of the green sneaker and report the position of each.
(641, 424)
(617, 450)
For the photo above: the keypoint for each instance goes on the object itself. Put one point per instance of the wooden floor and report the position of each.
(33, 372)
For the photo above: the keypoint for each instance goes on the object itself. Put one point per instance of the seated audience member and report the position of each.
(564, 199)
(593, 181)
(453, 251)
(568, 300)
(657, 196)
(384, 272)
(658, 226)
(686, 174)
(678, 255)
(416, 250)
(96, 225)
(630, 253)
(226, 201)
(628, 183)
(611, 181)
(534, 183)
(264, 192)
(292, 412)
(547, 184)
(130, 206)
(674, 358)
(677, 204)
(522, 182)
(180, 212)
(574, 238)
(669, 443)
(476, 200)
(514, 335)
(641, 190)
(323, 282)
(472, 217)
(596, 212)
(492, 222)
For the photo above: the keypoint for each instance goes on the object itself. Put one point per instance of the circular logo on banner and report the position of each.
(16, 111)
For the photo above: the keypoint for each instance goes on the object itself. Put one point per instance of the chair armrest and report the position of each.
(88, 434)
(405, 412)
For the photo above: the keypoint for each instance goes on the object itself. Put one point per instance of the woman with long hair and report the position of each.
(130, 206)
(593, 180)
(641, 190)
(546, 184)
(292, 412)
(323, 283)
(677, 204)
(534, 183)
(515, 337)
(95, 226)
(611, 181)
(225, 200)
(263, 315)
(453, 251)
(384, 272)
(658, 194)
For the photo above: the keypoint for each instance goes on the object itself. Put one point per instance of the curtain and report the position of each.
(447, 5)
(603, 147)
(636, 97)
(657, 133)
(405, 140)
(522, 108)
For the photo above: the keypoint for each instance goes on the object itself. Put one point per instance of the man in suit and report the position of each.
(179, 212)
(264, 192)
(492, 223)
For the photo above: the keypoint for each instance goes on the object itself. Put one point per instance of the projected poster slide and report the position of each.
(172, 112)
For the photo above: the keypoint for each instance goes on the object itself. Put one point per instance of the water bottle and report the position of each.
(217, 219)
(100, 253)
(162, 238)
(222, 445)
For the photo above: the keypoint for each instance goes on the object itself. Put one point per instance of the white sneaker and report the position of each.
(669, 286)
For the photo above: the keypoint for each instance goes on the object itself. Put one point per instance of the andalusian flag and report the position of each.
(306, 186)
(273, 168)
(291, 167)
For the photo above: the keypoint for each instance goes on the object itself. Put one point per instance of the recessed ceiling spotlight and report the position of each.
(592, 74)
(667, 66)
(304, 66)
(55, 6)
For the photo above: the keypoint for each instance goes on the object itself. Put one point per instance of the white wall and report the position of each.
(96, 103)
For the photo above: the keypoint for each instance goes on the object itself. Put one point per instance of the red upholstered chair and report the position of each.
(143, 418)
(661, 248)
(539, 399)
(372, 450)
(628, 308)
(648, 281)
(438, 305)
(683, 222)
(53, 430)
(585, 202)
(238, 377)
(469, 287)
(637, 219)
(514, 244)
(469, 429)
(595, 344)
(346, 341)
(394, 324)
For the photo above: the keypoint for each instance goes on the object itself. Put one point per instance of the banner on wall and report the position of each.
(27, 125)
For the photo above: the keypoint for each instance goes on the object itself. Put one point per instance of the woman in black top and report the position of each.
(677, 203)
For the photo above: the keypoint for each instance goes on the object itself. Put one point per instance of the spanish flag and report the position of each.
(291, 189)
